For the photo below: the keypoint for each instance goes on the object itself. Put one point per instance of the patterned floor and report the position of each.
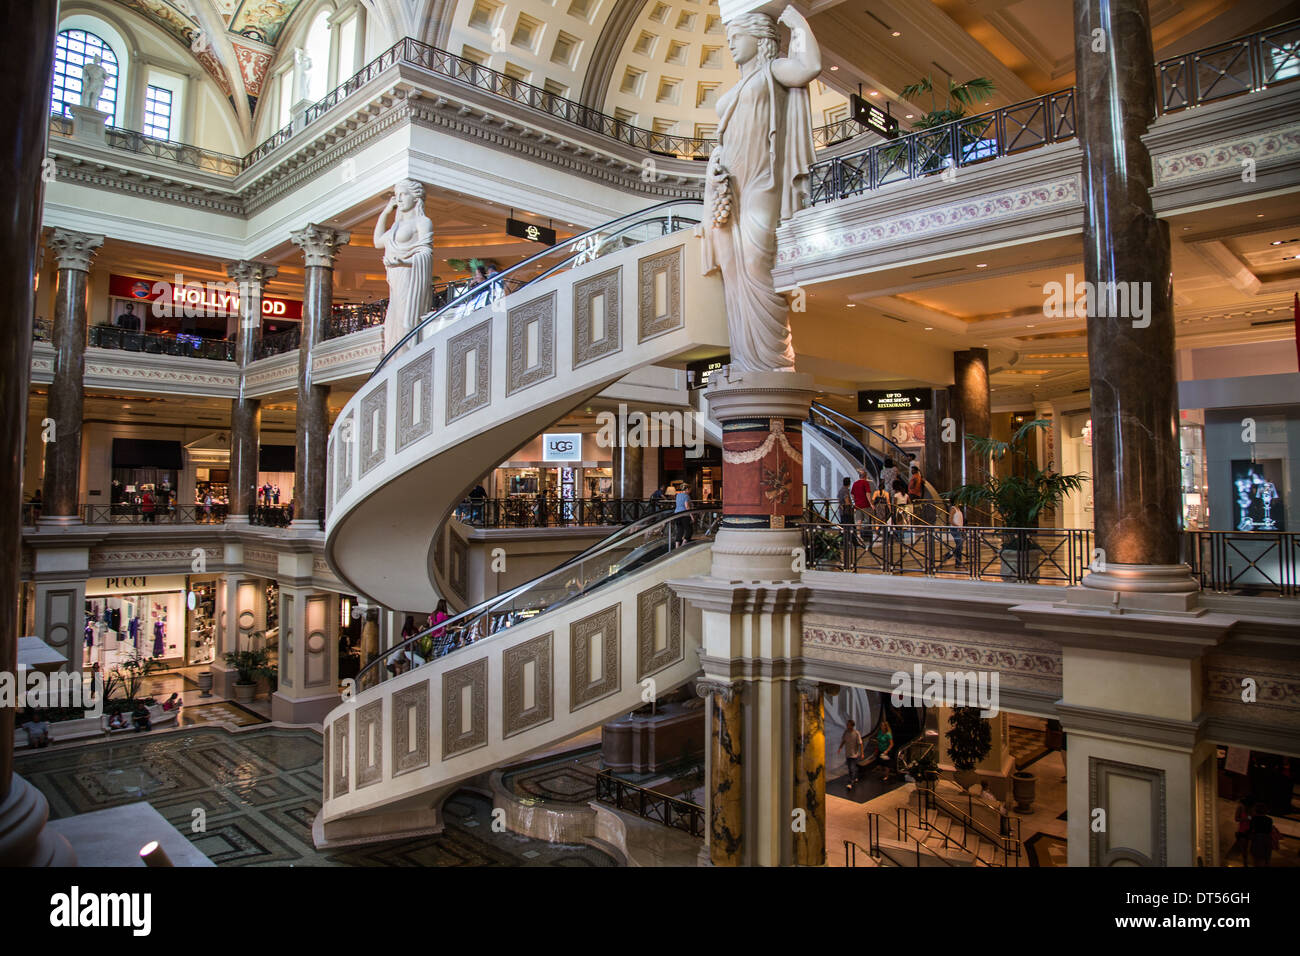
(1044, 849)
(1026, 745)
(222, 711)
(258, 792)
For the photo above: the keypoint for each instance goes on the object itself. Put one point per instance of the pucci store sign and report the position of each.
(197, 298)
(135, 584)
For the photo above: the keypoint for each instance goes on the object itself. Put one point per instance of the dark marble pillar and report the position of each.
(970, 409)
(74, 252)
(1133, 380)
(726, 780)
(26, 68)
(320, 245)
(245, 412)
(627, 468)
(810, 775)
(942, 458)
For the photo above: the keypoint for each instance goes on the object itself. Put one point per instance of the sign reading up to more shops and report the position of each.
(697, 373)
(904, 400)
(562, 446)
(211, 298)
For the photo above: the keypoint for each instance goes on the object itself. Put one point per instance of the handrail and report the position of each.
(674, 811)
(467, 620)
(1007, 843)
(1253, 62)
(528, 512)
(160, 343)
(582, 245)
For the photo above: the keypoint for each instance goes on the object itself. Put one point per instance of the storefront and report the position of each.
(560, 466)
(1076, 458)
(145, 475)
(703, 475)
(135, 614)
(275, 468)
(203, 310)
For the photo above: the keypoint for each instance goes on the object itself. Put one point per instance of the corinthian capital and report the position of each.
(74, 250)
(319, 244)
(250, 272)
(725, 690)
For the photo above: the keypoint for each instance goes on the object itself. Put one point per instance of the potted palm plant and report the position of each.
(1017, 499)
(250, 667)
(935, 152)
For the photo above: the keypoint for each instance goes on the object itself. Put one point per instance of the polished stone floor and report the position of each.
(249, 798)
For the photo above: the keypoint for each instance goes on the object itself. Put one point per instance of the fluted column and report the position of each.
(27, 52)
(245, 412)
(74, 252)
(726, 810)
(810, 776)
(1135, 453)
(320, 245)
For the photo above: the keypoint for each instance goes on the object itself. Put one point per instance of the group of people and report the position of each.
(893, 502)
(851, 744)
(418, 652)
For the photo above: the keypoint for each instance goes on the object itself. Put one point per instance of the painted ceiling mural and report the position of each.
(262, 19)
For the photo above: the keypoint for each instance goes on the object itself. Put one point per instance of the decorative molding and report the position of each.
(457, 738)
(585, 689)
(649, 658)
(374, 428)
(609, 285)
(1226, 155)
(410, 754)
(370, 749)
(515, 718)
(340, 758)
(419, 372)
(650, 323)
(520, 375)
(73, 250)
(347, 435)
(459, 554)
(320, 244)
(1099, 854)
(725, 691)
(479, 341)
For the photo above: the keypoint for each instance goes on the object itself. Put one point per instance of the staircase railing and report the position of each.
(650, 804)
(1006, 845)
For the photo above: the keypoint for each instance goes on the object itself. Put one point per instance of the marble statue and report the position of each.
(93, 78)
(407, 246)
(757, 177)
(301, 74)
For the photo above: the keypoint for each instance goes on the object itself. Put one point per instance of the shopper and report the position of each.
(957, 521)
(888, 474)
(861, 492)
(147, 506)
(885, 747)
(38, 731)
(681, 527)
(851, 744)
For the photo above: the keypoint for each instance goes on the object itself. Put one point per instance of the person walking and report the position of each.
(845, 504)
(147, 506)
(885, 747)
(682, 525)
(861, 492)
(957, 522)
(888, 474)
(851, 744)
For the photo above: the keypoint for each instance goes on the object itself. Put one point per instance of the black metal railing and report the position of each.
(1022, 555)
(156, 343)
(526, 512)
(135, 512)
(996, 843)
(1244, 562)
(650, 804)
(278, 343)
(270, 516)
(182, 154)
(346, 319)
(268, 146)
(1235, 67)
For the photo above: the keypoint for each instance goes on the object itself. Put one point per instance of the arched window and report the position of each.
(74, 49)
(318, 49)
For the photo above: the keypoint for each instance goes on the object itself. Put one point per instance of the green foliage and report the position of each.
(970, 738)
(958, 98)
(128, 674)
(1027, 493)
(251, 665)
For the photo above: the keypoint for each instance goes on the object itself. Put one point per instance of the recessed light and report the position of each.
(1259, 215)
(897, 33)
(981, 265)
(908, 116)
(1029, 326)
(929, 328)
(852, 305)
(834, 68)
(874, 93)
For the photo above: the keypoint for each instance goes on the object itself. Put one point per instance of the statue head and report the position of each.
(409, 194)
(752, 35)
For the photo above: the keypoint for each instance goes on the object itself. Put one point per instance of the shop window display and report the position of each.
(202, 630)
(122, 625)
(1257, 504)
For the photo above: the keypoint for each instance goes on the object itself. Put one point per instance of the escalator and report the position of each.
(580, 645)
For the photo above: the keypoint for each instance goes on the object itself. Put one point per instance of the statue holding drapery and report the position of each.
(757, 177)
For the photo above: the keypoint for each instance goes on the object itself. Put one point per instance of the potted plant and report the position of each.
(1017, 499)
(969, 741)
(935, 151)
(250, 667)
(127, 676)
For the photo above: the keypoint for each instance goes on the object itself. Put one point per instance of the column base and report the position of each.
(223, 681)
(58, 521)
(1143, 578)
(764, 554)
(237, 521)
(24, 841)
(306, 710)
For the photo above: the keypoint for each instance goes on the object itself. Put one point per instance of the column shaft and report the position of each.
(245, 412)
(970, 410)
(726, 813)
(810, 776)
(942, 458)
(1130, 318)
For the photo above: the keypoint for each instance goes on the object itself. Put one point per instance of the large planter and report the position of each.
(245, 692)
(205, 683)
(966, 778)
(1020, 552)
(1023, 787)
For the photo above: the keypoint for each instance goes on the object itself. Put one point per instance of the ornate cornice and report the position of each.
(74, 169)
(726, 691)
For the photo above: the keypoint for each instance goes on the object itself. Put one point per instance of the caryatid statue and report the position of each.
(93, 78)
(757, 177)
(407, 246)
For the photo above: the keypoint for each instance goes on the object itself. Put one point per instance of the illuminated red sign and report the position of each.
(213, 298)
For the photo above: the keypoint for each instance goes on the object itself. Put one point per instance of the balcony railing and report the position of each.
(650, 804)
(180, 153)
(154, 343)
(1232, 68)
(346, 319)
(137, 513)
(528, 512)
(278, 343)
(1245, 562)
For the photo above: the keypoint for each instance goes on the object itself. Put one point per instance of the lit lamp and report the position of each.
(153, 855)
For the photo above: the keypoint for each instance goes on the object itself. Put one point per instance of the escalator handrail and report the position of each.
(484, 607)
(495, 285)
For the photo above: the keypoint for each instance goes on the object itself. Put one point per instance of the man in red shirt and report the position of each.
(861, 492)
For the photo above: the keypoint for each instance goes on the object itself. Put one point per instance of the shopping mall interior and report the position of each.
(652, 433)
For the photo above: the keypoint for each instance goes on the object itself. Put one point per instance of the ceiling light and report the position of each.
(874, 93)
(981, 265)
(909, 116)
(1029, 326)
(929, 328)
(897, 33)
(834, 68)
(852, 305)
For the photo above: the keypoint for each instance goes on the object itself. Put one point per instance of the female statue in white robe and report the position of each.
(757, 177)
(407, 246)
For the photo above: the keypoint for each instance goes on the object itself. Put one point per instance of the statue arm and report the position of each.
(381, 227)
(804, 62)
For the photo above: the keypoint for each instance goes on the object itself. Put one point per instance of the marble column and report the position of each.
(942, 458)
(810, 776)
(726, 811)
(245, 412)
(320, 245)
(970, 410)
(1135, 452)
(627, 469)
(74, 252)
(27, 47)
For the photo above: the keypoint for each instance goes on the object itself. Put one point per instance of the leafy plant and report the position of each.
(1020, 498)
(251, 666)
(959, 96)
(128, 674)
(970, 738)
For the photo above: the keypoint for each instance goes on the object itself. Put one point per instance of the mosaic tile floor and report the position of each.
(1026, 745)
(259, 791)
(222, 711)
